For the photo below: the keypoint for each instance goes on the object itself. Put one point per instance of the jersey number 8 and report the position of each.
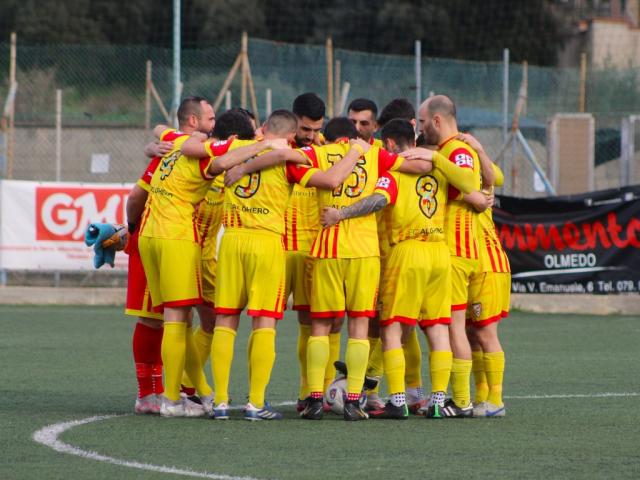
(426, 188)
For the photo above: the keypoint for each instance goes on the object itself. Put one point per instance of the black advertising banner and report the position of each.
(586, 243)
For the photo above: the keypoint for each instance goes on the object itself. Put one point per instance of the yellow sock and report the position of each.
(202, 341)
(221, 358)
(193, 366)
(480, 378)
(249, 346)
(334, 354)
(317, 358)
(356, 358)
(375, 365)
(262, 357)
(440, 362)
(494, 366)
(394, 365)
(173, 357)
(304, 331)
(413, 360)
(460, 382)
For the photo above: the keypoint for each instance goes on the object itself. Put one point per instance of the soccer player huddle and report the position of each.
(393, 233)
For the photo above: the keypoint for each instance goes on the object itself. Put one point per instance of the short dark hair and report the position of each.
(400, 131)
(281, 122)
(309, 105)
(248, 113)
(233, 122)
(421, 141)
(340, 127)
(362, 104)
(190, 106)
(397, 108)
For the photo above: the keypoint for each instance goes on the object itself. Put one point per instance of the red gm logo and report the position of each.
(63, 213)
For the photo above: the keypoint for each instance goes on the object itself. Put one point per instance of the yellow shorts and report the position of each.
(173, 273)
(340, 284)
(298, 278)
(251, 274)
(461, 271)
(417, 284)
(209, 267)
(489, 298)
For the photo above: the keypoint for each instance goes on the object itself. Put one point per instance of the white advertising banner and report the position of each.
(43, 223)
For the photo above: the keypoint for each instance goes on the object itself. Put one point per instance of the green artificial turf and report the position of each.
(68, 363)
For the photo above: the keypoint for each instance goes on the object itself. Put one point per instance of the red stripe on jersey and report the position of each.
(294, 229)
(239, 219)
(334, 251)
(466, 234)
(195, 229)
(497, 250)
(458, 233)
(285, 236)
(205, 231)
(313, 245)
(325, 246)
(487, 241)
(203, 163)
(458, 307)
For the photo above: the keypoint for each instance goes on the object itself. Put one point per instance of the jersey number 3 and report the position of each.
(426, 188)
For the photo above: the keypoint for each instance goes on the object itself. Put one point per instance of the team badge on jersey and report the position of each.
(477, 309)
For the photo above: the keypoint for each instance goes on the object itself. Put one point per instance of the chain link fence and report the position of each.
(105, 102)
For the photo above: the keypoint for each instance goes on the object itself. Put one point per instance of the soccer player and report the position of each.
(301, 228)
(403, 109)
(363, 112)
(147, 334)
(416, 287)
(489, 298)
(437, 116)
(251, 268)
(170, 250)
(238, 123)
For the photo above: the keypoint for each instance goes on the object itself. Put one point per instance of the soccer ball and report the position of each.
(336, 395)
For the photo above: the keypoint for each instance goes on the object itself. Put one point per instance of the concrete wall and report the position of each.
(614, 43)
(35, 148)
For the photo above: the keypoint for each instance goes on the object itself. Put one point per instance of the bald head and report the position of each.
(437, 117)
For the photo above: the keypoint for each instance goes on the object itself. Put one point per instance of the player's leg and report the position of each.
(361, 281)
(461, 270)
(230, 301)
(375, 366)
(335, 337)
(327, 303)
(265, 278)
(485, 317)
(413, 371)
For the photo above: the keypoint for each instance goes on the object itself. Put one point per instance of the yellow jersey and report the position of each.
(460, 223)
(178, 185)
(354, 237)
(209, 217)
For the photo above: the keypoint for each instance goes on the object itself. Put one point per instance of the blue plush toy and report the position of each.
(106, 240)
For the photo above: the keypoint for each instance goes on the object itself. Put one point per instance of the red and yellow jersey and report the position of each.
(376, 142)
(259, 200)
(492, 256)
(209, 217)
(460, 223)
(355, 237)
(144, 182)
(302, 219)
(419, 205)
(383, 222)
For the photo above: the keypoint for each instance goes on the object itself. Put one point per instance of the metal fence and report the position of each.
(108, 96)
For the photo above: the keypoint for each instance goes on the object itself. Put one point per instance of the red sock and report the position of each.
(146, 347)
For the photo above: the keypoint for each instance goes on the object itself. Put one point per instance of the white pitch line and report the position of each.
(572, 395)
(49, 436)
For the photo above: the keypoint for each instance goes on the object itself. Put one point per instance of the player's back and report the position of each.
(492, 256)
(178, 185)
(302, 219)
(460, 223)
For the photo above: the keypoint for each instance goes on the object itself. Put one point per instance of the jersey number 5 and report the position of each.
(249, 190)
(355, 189)
(426, 188)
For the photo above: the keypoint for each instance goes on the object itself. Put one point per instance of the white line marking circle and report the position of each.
(48, 436)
